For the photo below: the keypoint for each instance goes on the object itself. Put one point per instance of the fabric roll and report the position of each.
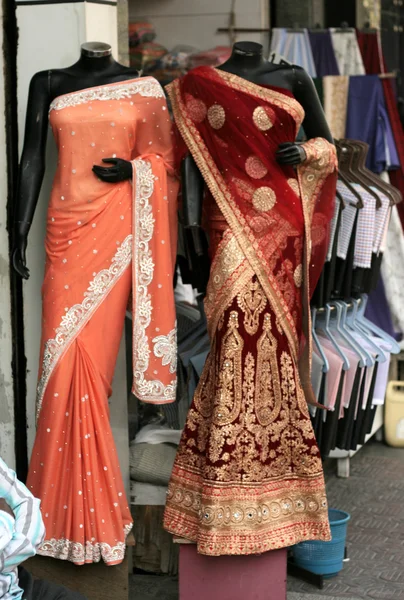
(295, 47)
(370, 49)
(336, 103)
(368, 120)
(347, 52)
(323, 53)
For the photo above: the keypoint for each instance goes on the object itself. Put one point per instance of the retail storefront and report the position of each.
(247, 474)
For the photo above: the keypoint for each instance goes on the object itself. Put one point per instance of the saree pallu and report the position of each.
(103, 242)
(248, 476)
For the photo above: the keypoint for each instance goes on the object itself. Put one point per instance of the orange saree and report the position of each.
(103, 241)
(248, 476)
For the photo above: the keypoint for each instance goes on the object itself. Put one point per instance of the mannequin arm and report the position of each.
(314, 123)
(192, 194)
(32, 168)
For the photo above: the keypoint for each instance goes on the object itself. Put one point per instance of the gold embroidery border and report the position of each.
(233, 216)
(317, 168)
(287, 103)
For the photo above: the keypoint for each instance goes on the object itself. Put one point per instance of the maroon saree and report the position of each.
(248, 476)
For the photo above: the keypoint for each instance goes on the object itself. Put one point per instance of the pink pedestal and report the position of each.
(257, 577)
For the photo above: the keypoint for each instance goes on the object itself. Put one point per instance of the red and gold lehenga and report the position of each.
(248, 475)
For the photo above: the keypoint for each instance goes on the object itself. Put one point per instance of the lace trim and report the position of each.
(79, 314)
(165, 347)
(147, 87)
(90, 552)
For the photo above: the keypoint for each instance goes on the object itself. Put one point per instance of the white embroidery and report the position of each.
(79, 314)
(165, 347)
(84, 553)
(147, 87)
(143, 267)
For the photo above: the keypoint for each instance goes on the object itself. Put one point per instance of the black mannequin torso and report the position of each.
(95, 67)
(247, 61)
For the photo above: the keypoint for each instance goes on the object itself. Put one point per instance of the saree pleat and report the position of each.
(248, 476)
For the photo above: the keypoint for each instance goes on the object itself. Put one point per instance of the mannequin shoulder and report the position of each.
(300, 76)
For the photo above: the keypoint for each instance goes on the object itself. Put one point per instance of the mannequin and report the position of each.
(96, 66)
(247, 61)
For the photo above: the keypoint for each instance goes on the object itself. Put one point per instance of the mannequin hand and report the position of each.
(18, 255)
(120, 171)
(290, 153)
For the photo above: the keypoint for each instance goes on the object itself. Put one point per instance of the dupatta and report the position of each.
(232, 128)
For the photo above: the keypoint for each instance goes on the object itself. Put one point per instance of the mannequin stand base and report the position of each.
(255, 577)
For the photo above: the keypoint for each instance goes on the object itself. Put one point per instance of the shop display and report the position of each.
(103, 241)
(248, 475)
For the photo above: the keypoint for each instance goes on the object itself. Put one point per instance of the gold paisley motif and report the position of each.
(294, 184)
(255, 168)
(298, 275)
(268, 397)
(252, 302)
(216, 116)
(264, 198)
(196, 108)
(264, 118)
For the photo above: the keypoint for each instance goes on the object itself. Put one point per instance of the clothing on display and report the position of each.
(102, 242)
(248, 476)
(295, 47)
(323, 53)
(347, 53)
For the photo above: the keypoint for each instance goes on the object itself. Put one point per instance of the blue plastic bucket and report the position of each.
(325, 558)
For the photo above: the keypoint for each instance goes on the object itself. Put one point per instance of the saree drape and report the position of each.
(102, 242)
(248, 476)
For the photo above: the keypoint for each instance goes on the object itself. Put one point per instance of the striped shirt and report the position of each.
(19, 536)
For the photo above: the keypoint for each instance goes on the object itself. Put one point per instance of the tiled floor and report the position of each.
(374, 496)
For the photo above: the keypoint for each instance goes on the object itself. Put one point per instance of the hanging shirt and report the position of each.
(392, 270)
(19, 536)
(347, 53)
(381, 218)
(365, 230)
(333, 228)
(347, 220)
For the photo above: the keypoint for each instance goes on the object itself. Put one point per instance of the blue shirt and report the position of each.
(19, 536)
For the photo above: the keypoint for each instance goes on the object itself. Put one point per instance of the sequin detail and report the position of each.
(294, 184)
(298, 275)
(255, 168)
(264, 198)
(264, 117)
(78, 315)
(196, 108)
(148, 87)
(216, 116)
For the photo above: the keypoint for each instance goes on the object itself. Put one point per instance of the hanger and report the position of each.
(353, 168)
(381, 356)
(366, 359)
(326, 364)
(327, 330)
(344, 175)
(394, 346)
(373, 179)
(344, 28)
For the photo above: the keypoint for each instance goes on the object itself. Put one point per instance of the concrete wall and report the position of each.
(194, 22)
(6, 387)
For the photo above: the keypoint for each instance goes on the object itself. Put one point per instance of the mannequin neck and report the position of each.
(96, 57)
(247, 56)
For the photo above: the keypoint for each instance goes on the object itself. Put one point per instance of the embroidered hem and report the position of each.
(246, 519)
(90, 552)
